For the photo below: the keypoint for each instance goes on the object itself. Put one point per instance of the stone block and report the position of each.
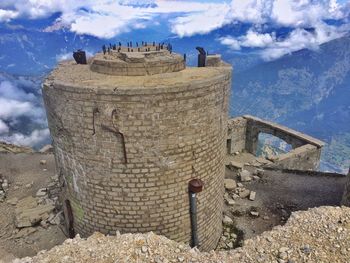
(230, 184)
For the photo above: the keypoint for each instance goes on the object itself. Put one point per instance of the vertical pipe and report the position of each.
(193, 212)
(195, 186)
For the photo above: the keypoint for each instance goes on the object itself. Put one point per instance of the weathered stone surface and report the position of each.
(243, 133)
(28, 213)
(230, 201)
(236, 135)
(245, 176)
(12, 201)
(46, 149)
(172, 127)
(227, 220)
(254, 213)
(24, 232)
(41, 192)
(244, 193)
(252, 196)
(236, 165)
(230, 184)
(316, 235)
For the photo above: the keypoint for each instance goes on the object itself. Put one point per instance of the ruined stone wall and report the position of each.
(172, 134)
(236, 135)
(243, 135)
(295, 139)
(306, 157)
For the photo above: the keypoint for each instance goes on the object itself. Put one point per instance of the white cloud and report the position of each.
(7, 15)
(300, 39)
(3, 127)
(109, 18)
(13, 108)
(200, 22)
(10, 91)
(254, 11)
(272, 47)
(15, 102)
(34, 138)
(18, 105)
(254, 39)
(293, 13)
(231, 42)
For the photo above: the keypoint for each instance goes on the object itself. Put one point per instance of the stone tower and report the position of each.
(130, 129)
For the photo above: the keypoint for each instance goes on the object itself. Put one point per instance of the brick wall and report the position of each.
(171, 134)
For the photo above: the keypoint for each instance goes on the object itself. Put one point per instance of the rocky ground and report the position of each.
(256, 200)
(318, 235)
(28, 219)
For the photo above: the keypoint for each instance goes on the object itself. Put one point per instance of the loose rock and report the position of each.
(252, 196)
(230, 184)
(245, 176)
(227, 220)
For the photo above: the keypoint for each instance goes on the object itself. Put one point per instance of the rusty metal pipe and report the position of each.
(195, 186)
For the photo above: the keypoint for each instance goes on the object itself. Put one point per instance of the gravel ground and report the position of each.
(317, 235)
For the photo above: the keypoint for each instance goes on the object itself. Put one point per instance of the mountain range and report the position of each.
(307, 90)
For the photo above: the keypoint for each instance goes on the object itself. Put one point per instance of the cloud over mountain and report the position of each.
(21, 106)
(108, 18)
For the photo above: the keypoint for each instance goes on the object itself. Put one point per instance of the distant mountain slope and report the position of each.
(27, 51)
(308, 90)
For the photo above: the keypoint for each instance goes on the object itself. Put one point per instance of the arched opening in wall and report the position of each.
(228, 146)
(69, 219)
(269, 146)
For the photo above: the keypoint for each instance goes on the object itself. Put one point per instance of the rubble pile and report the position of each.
(4, 186)
(232, 236)
(236, 190)
(39, 210)
(317, 235)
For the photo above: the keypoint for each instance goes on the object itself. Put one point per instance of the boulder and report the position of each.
(227, 220)
(244, 194)
(245, 176)
(230, 184)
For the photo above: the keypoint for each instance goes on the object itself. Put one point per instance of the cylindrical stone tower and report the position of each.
(130, 130)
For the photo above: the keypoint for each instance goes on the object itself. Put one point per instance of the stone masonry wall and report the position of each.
(172, 134)
(306, 157)
(292, 137)
(236, 135)
(243, 135)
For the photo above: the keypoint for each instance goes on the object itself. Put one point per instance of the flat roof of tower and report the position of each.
(69, 73)
(137, 61)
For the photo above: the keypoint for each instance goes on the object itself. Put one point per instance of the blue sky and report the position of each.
(110, 18)
(266, 19)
